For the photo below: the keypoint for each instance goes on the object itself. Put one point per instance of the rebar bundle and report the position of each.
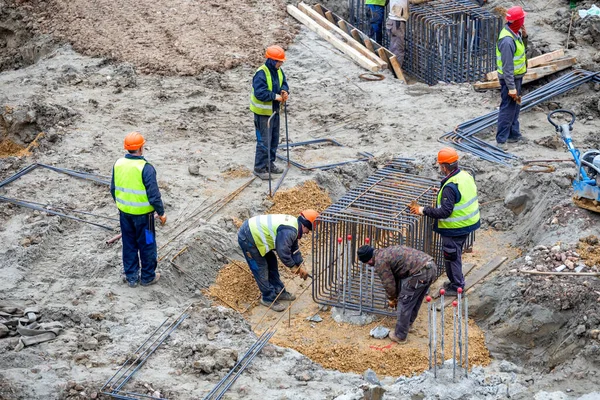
(375, 212)
(463, 136)
(450, 41)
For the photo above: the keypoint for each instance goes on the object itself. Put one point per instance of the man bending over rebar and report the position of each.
(260, 237)
(135, 191)
(456, 215)
(406, 274)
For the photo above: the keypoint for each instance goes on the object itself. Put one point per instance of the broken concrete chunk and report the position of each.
(3, 330)
(580, 330)
(315, 318)
(205, 364)
(379, 332)
(90, 344)
(559, 269)
(371, 377)
(579, 268)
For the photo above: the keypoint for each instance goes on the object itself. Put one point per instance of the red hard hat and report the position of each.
(447, 155)
(134, 141)
(275, 53)
(514, 13)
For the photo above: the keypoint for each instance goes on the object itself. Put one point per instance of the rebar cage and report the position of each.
(375, 212)
(446, 40)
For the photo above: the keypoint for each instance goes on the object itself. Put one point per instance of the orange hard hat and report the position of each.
(133, 141)
(514, 13)
(447, 155)
(310, 215)
(275, 53)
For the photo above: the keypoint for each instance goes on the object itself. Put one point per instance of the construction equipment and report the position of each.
(587, 181)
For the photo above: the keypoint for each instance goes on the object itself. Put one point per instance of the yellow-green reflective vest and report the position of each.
(519, 59)
(264, 107)
(130, 192)
(376, 2)
(466, 211)
(264, 230)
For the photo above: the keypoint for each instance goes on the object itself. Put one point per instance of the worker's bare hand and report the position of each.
(163, 219)
(285, 95)
(300, 271)
(513, 94)
(393, 303)
(278, 97)
(523, 31)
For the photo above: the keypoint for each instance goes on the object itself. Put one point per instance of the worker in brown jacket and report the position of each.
(406, 274)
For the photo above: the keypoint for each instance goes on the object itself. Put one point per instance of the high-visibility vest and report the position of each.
(466, 211)
(130, 192)
(264, 107)
(519, 58)
(264, 230)
(376, 2)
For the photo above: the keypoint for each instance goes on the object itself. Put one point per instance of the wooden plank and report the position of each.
(465, 270)
(356, 35)
(534, 62)
(318, 8)
(354, 54)
(368, 44)
(342, 35)
(328, 15)
(343, 25)
(478, 275)
(531, 75)
(397, 69)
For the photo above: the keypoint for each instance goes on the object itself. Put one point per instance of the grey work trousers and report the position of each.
(411, 294)
(396, 32)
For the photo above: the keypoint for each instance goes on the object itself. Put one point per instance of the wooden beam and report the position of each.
(532, 74)
(356, 35)
(534, 62)
(354, 54)
(318, 8)
(465, 270)
(328, 15)
(397, 69)
(342, 35)
(369, 45)
(343, 26)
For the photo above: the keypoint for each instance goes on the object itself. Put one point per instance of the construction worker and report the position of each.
(135, 191)
(269, 90)
(396, 28)
(512, 65)
(406, 275)
(456, 215)
(260, 237)
(375, 15)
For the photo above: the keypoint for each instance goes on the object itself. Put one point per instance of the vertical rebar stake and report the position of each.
(466, 337)
(443, 354)
(434, 322)
(429, 307)
(460, 320)
(454, 304)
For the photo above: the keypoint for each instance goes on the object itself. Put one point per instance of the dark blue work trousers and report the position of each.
(264, 269)
(452, 247)
(508, 114)
(375, 14)
(139, 244)
(263, 133)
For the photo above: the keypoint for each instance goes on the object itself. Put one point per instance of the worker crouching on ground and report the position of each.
(269, 90)
(406, 275)
(260, 237)
(456, 215)
(512, 65)
(135, 191)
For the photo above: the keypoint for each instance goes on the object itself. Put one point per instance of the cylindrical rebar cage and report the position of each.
(377, 212)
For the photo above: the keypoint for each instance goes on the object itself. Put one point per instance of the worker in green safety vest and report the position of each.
(456, 215)
(135, 191)
(375, 10)
(511, 63)
(261, 237)
(269, 90)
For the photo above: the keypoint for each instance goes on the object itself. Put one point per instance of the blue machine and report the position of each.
(587, 182)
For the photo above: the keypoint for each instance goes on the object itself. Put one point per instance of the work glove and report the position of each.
(300, 271)
(278, 98)
(513, 94)
(163, 219)
(393, 303)
(285, 95)
(415, 208)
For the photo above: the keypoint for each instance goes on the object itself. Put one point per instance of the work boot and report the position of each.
(132, 284)
(446, 285)
(264, 175)
(153, 281)
(502, 146)
(451, 292)
(520, 140)
(286, 296)
(276, 170)
(396, 339)
(275, 306)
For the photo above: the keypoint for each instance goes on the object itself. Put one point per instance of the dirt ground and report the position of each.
(86, 74)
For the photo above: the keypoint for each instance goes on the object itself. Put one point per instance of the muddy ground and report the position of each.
(69, 73)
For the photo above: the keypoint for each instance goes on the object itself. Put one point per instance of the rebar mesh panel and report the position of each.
(378, 209)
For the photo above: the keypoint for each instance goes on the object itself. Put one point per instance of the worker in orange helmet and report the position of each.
(269, 91)
(135, 191)
(456, 215)
(261, 237)
(511, 63)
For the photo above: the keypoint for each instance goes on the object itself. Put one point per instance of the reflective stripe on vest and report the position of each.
(264, 107)
(466, 211)
(376, 2)
(264, 230)
(130, 192)
(519, 59)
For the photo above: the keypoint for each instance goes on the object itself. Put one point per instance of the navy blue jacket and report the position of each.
(507, 48)
(287, 247)
(450, 196)
(261, 90)
(149, 180)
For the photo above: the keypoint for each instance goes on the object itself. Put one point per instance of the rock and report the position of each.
(304, 377)
(373, 393)
(315, 318)
(594, 333)
(371, 377)
(205, 364)
(580, 330)
(90, 344)
(94, 395)
(527, 258)
(78, 387)
(570, 264)
(579, 268)
(225, 358)
(70, 385)
(102, 337)
(554, 221)
(559, 269)
(540, 248)
(507, 366)
(3, 330)
(555, 249)
(379, 332)
(194, 170)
